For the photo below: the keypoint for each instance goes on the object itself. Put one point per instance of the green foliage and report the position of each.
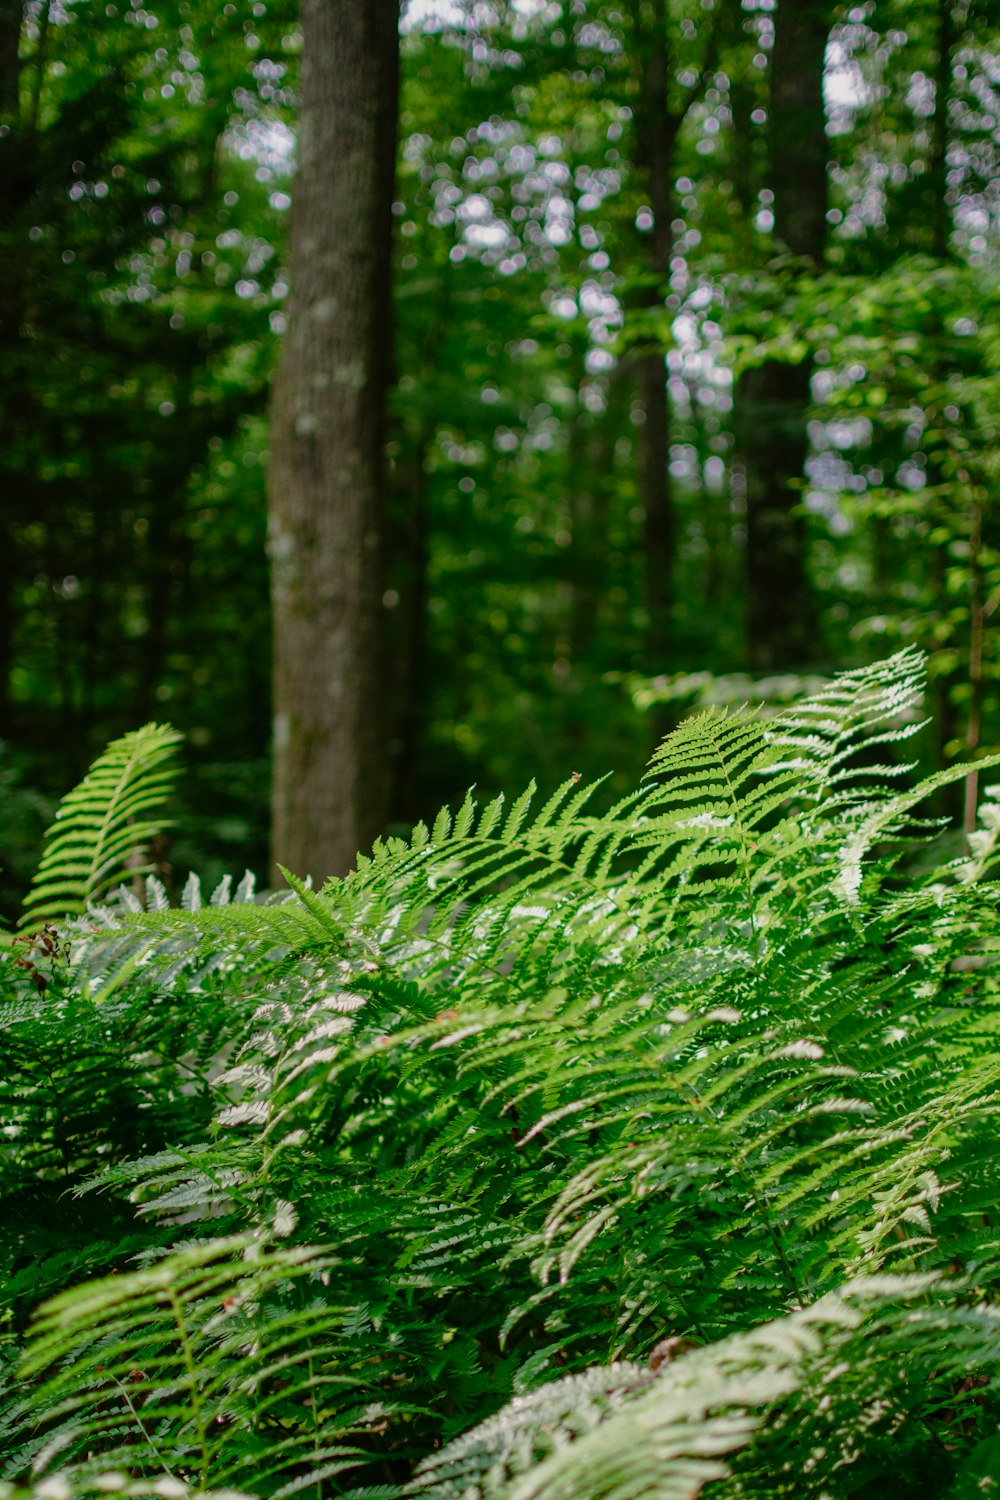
(551, 1153)
(103, 824)
(132, 385)
(795, 1395)
(112, 1483)
(143, 231)
(230, 1341)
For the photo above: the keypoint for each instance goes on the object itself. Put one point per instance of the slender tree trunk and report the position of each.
(656, 133)
(11, 191)
(773, 400)
(939, 224)
(657, 125)
(937, 175)
(977, 631)
(410, 540)
(772, 442)
(327, 476)
(166, 558)
(11, 14)
(411, 552)
(659, 133)
(586, 501)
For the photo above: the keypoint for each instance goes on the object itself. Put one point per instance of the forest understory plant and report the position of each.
(644, 1152)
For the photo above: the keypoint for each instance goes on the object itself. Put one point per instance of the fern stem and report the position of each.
(773, 1233)
(190, 1364)
(745, 853)
(760, 1204)
(314, 1416)
(144, 1429)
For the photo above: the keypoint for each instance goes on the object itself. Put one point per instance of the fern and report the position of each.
(525, 1096)
(215, 1360)
(112, 1482)
(102, 825)
(633, 1432)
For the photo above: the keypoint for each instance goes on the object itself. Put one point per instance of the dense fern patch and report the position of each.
(551, 1154)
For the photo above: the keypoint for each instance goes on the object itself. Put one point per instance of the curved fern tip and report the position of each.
(103, 827)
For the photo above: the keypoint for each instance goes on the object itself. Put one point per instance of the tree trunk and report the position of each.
(657, 124)
(939, 211)
(11, 193)
(660, 133)
(411, 554)
(656, 134)
(771, 434)
(773, 400)
(11, 15)
(327, 476)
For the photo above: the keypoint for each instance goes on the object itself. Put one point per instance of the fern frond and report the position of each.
(219, 1360)
(102, 824)
(113, 1483)
(659, 1434)
(554, 1083)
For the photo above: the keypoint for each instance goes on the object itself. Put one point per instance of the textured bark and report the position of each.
(327, 474)
(773, 400)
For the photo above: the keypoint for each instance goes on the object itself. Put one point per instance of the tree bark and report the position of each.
(939, 211)
(657, 134)
(658, 122)
(327, 475)
(11, 192)
(11, 16)
(773, 400)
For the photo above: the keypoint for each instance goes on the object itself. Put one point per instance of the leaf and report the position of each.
(103, 825)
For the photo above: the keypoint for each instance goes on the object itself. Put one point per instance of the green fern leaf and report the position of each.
(103, 824)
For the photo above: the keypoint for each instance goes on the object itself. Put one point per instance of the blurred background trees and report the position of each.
(695, 380)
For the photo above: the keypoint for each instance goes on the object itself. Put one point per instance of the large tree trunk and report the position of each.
(773, 400)
(327, 475)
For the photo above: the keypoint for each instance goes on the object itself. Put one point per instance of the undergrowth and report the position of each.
(550, 1155)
